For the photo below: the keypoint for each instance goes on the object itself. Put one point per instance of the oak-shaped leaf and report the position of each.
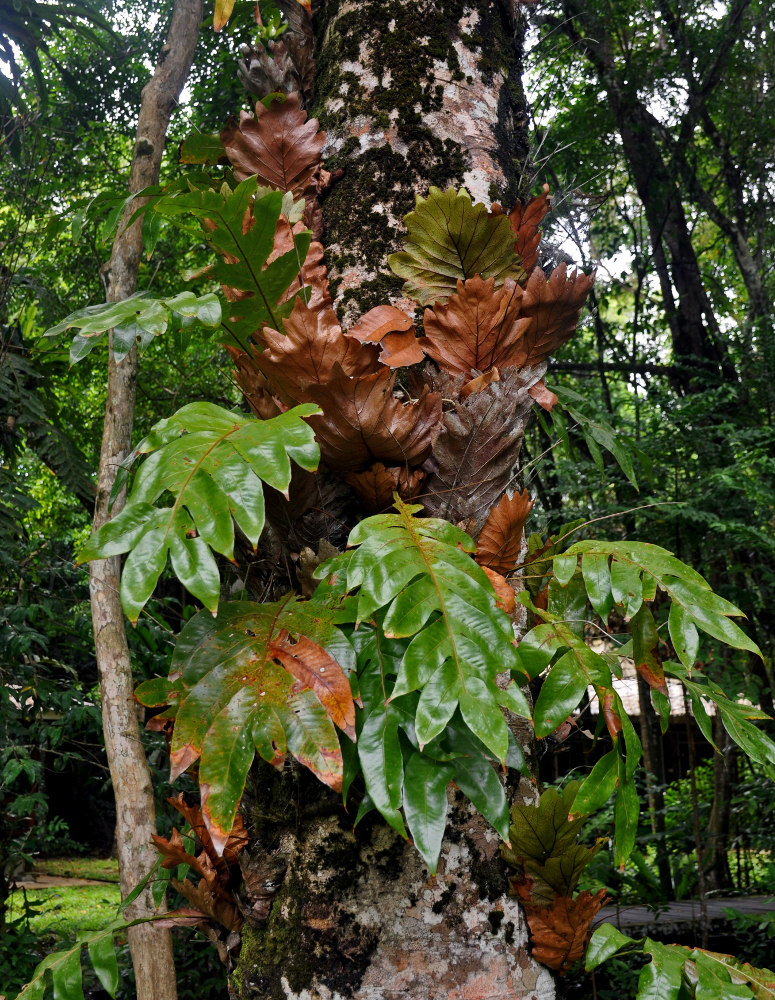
(212, 462)
(279, 144)
(417, 570)
(307, 353)
(553, 306)
(476, 328)
(477, 449)
(500, 540)
(449, 239)
(525, 220)
(364, 422)
(559, 933)
(242, 687)
(393, 330)
(543, 831)
(376, 485)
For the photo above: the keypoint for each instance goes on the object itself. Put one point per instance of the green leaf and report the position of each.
(213, 462)
(597, 577)
(683, 635)
(136, 315)
(476, 778)
(560, 693)
(569, 603)
(379, 752)
(417, 570)
(66, 981)
(661, 979)
(645, 649)
(626, 812)
(564, 567)
(241, 257)
(604, 943)
(202, 148)
(238, 692)
(536, 649)
(425, 805)
(598, 786)
(450, 239)
(711, 613)
(626, 587)
(102, 954)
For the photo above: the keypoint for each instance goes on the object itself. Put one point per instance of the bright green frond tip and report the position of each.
(451, 239)
(213, 463)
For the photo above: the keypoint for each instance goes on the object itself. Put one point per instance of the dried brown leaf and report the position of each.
(543, 395)
(477, 450)
(505, 598)
(552, 305)
(314, 668)
(174, 852)
(376, 485)
(213, 900)
(525, 220)
(393, 330)
(500, 540)
(559, 933)
(308, 352)
(237, 840)
(478, 328)
(363, 422)
(479, 383)
(280, 144)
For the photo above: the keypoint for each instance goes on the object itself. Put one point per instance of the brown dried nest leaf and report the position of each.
(393, 330)
(376, 485)
(313, 276)
(279, 144)
(478, 328)
(505, 599)
(559, 933)
(215, 902)
(552, 305)
(525, 220)
(314, 668)
(477, 450)
(500, 540)
(543, 395)
(308, 352)
(364, 422)
(480, 382)
(237, 840)
(254, 386)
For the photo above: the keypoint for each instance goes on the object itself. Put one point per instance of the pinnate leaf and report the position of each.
(235, 698)
(559, 932)
(213, 462)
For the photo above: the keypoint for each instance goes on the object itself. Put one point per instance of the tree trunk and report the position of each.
(715, 860)
(151, 948)
(412, 93)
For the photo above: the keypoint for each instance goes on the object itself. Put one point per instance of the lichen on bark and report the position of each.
(411, 95)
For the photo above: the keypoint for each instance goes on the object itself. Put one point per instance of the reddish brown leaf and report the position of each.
(552, 306)
(235, 844)
(314, 668)
(314, 276)
(364, 422)
(559, 933)
(611, 716)
(254, 386)
(500, 540)
(543, 395)
(377, 484)
(393, 330)
(307, 354)
(213, 900)
(525, 220)
(479, 383)
(174, 852)
(477, 450)
(504, 595)
(279, 144)
(478, 328)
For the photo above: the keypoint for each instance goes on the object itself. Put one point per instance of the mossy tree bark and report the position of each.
(411, 94)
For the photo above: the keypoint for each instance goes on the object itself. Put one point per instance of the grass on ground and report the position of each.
(63, 911)
(106, 870)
